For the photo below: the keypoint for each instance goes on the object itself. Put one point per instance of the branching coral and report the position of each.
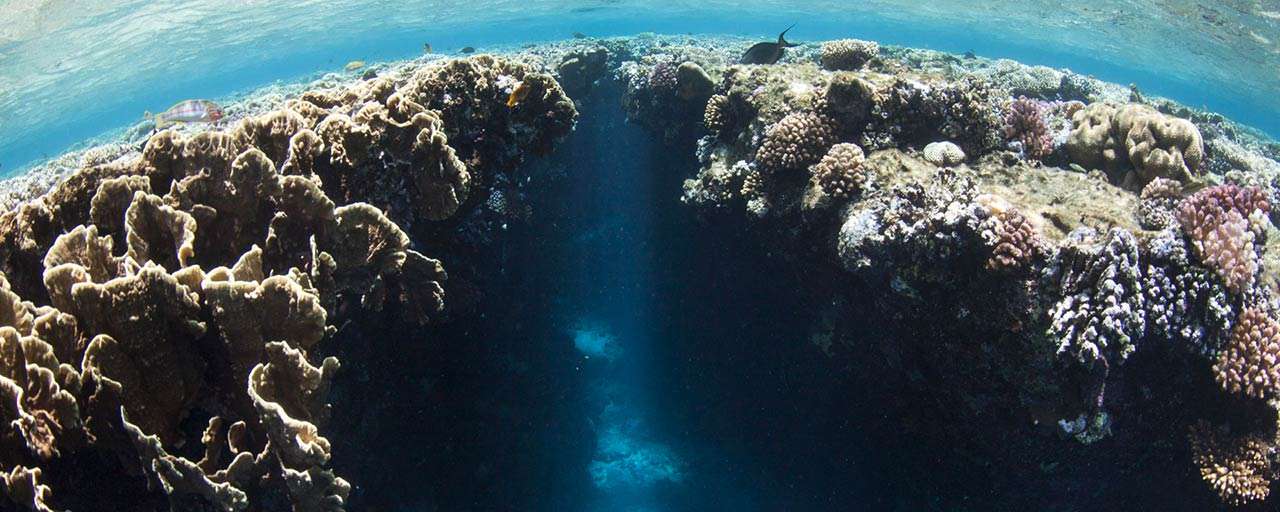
(1238, 467)
(1250, 362)
(1159, 204)
(840, 172)
(795, 142)
(1101, 314)
(1222, 224)
(1024, 123)
(1014, 243)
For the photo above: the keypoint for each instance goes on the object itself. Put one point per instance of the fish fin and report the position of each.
(781, 37)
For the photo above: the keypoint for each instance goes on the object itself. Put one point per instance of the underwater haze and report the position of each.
(636, 256)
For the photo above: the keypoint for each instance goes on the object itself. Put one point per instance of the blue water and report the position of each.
(68, 74)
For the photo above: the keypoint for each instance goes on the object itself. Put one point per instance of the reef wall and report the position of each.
(191, 293)
(917, 281)
(1049, 284)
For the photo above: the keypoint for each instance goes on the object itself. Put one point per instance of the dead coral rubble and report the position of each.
(200, 279)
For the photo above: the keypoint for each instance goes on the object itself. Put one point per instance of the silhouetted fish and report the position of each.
(767, 53)
(426, 47)
(467, 49)
(579, 35)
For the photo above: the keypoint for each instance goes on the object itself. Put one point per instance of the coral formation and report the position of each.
(1222, 223)
(213, 300)
(840, 172)
(1024, 123)
(848, 54)
(943, 154)
(1249, 363)
(1237, 467)
(795, 142)
(1135, 143)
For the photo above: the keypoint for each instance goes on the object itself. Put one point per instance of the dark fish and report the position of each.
(579, 35)
(467, 49)
(426, 47)
(767, 53)
(970, 55)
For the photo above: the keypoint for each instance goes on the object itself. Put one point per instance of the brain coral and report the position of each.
(795, 142)
(1250, 362)
(943, 154)
(840, 172)
(1220, 222)
(198, 279)
(1135, 137)
(847, 54)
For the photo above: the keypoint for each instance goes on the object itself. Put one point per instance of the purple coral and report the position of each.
(1024, 123)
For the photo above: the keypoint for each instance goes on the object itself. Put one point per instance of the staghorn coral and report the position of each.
(1024, 123)
(1221, 222)
(847, 54)
(840, 172)
(1236, 466)
(795, 142)
(1250, 362)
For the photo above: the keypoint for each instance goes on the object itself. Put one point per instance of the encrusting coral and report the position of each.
(199, 279)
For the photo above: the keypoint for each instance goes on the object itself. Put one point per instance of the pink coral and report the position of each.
(1217, 221)
(1024, 123)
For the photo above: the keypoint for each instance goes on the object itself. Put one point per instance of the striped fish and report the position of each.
(189, 111)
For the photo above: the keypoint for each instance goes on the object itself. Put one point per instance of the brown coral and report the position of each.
(1238, 467)
(1135, 137)
(1013, 240)
(840, 173)
(1250, 362)
(847, 54)
(1158, 203)
(795, 142)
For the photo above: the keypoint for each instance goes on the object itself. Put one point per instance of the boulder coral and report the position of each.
(1120, 139)
(847, 54)
(200, 281)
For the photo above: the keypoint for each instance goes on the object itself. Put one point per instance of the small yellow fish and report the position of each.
(354, 65)
(518, 94)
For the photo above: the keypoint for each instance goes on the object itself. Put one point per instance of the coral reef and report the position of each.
(848, 54)
(212, 301)
(1238, 467)
(1248, 363)
(839, 173)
